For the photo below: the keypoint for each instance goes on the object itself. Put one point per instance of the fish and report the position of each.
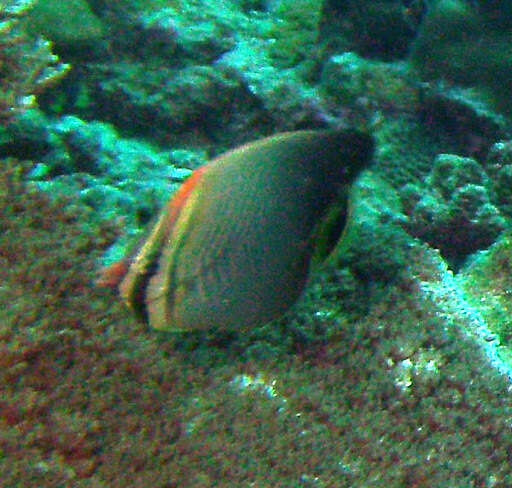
(234, 246)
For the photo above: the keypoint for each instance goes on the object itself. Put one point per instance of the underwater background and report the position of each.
(392, 370)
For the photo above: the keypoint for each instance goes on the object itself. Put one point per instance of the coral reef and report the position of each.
(456, 215)
(486, 282)
(66, 23)
(28, 66)
(366, 87)
(295, 34)
(196, 99)
(380, 29)
(393, 369)
(462, 117)
(499, 167)
(215, 61)
(107, 173)
(89, 397)
(199, 40)
(375, 247)
(469, 44)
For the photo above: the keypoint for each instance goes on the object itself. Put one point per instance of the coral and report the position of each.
(168, 101)
(367, 86)
(27, 66)
(43, 251)
(380, 29)
(180, 39)
(462, 117)
(468, 44)
(87, 397)
(456, 215)
(376, 247)
(108, 174)
(238, 74)
(499, 167)
(294, 32)
(65, 22)
(487, 283)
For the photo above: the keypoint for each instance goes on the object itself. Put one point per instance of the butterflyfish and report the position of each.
(233, 246)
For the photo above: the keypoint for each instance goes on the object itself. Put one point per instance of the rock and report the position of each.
(65, 22)
(374, 29)
(456, 214)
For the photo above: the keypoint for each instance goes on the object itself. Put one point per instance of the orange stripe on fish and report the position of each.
(112, 275)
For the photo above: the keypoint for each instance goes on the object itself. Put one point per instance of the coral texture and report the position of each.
(28, 66)
(393, 369)
(456, 216)
(89, 397)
